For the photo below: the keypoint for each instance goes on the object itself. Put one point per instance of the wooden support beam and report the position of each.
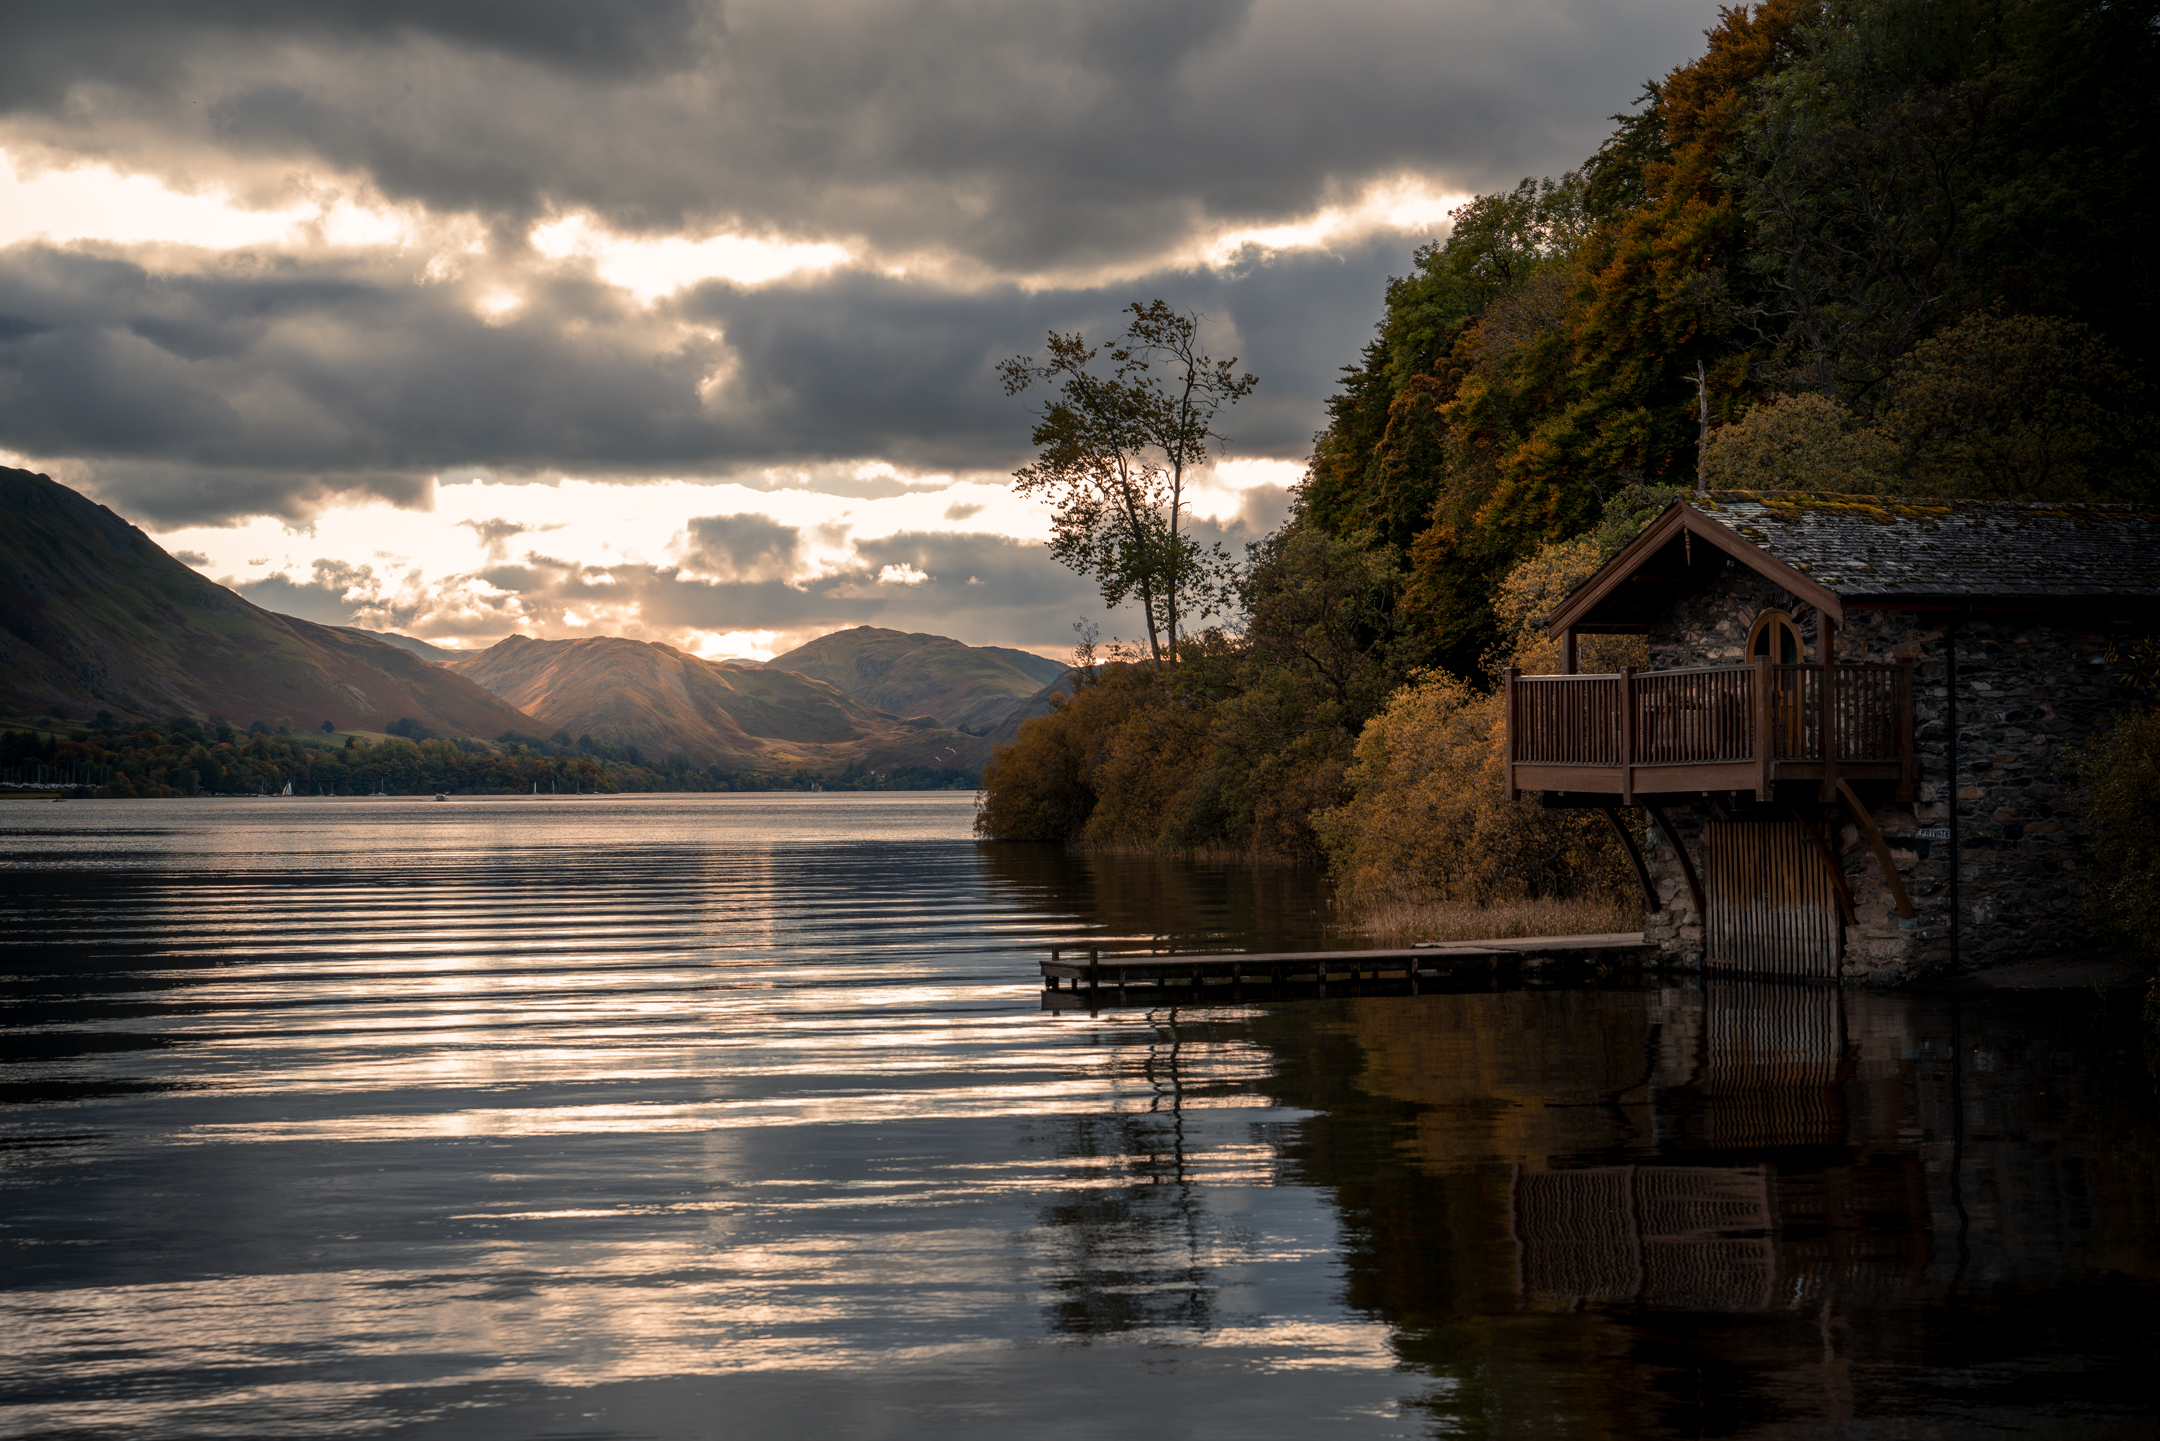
(1567, 651)
(1876, 843)
(1627, 735)
(1829, 855)
(1634, 855)
(1687, 866)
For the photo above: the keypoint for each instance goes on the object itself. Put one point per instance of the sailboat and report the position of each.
(288, 789)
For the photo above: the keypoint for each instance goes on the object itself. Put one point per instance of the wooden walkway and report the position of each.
(1086, 977)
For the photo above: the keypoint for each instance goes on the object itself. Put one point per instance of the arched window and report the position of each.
(1775, 635)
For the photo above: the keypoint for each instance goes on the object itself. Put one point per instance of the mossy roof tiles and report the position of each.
(1865, 546)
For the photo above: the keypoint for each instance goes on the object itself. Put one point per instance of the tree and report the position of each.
(2020, 407)
(1800, 442)
(1115, 450)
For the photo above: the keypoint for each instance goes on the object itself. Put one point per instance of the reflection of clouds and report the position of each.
(630, 1090)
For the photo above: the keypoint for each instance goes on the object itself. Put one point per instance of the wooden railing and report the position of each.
(1710, 728)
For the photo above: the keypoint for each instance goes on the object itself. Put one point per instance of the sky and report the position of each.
(679, 319)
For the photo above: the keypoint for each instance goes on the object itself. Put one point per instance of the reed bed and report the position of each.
(1401, 921)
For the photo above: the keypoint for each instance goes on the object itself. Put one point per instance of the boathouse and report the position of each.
(1855, 742)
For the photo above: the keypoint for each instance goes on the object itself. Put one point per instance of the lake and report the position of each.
(740, 1116)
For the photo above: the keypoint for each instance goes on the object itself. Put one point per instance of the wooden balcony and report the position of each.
(1715, 728)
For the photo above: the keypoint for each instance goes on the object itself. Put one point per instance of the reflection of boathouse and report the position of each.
(1758, 1200)
(1793, 745)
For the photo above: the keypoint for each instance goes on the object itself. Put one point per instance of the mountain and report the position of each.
(1040, 669)
(439, 655)
(664, 702)
(94, 616)
(1066, 682)
(966, 687)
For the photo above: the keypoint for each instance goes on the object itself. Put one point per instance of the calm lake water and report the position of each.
(740, 1116)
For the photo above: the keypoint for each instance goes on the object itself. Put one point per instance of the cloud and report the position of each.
(1015, 137)
(742, 548)
(206, 392)
(309, 262)
(495, 533)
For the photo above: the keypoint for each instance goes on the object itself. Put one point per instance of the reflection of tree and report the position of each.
(1729, 1237)
(1132, 1256)
(1186, 903)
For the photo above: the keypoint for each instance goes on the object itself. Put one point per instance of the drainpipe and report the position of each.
(1951, 632)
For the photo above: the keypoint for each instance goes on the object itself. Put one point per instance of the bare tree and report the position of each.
(1116, 448)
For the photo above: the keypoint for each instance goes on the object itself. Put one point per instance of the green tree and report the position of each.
(2020, 407)
(1117, 447)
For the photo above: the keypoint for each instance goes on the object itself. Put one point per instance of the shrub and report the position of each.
(2121, 772)
(1430, 820)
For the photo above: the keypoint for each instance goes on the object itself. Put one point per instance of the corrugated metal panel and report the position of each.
(1772, 909)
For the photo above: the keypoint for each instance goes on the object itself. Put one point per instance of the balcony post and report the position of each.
(1507, 701)
(1826, 653)
(1765, 719)
(1627, 735)
(1567, 651)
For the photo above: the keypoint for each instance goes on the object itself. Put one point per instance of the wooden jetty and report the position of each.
(1085, 976)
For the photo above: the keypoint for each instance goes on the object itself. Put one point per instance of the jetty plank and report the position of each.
(1087, 967)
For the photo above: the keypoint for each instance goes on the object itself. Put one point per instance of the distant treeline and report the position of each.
(186, 757)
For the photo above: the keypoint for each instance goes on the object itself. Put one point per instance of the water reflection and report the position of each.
(611, 1120)
(1194, 905)
(1739, 1209)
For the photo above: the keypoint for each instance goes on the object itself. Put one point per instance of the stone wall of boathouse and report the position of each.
(2032, 690)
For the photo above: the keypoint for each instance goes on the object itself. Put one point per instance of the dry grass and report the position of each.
(1401, 921)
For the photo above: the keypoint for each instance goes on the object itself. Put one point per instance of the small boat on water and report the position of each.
(440, 796)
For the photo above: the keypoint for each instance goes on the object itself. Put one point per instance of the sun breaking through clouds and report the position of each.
(650, 321)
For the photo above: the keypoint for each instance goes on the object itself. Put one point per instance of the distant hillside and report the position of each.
(1064, 683)
(94, 616)
(1040, 669)
(440, 655)
(963, 686)
(633, 693)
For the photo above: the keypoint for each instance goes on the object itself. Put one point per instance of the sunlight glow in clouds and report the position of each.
(95, 202)
(1406, 202)
(650, 268)
(731, 645)
(545, 560)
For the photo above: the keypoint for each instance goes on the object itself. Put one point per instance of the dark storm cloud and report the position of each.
(743, 547)
(1023, 134)
(253, 386)
(247, 387)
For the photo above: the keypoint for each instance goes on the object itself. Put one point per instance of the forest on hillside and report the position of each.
(1882, 246)
(113, 759)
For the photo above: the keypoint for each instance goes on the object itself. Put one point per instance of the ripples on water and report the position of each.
(739, 1116)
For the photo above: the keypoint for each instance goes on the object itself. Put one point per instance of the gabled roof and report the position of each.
(1835, 550)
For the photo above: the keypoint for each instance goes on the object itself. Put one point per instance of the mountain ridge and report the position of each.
(96, 615)
(664, 703)
(970, 688)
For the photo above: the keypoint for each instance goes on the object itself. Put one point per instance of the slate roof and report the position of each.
(1864, 547)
